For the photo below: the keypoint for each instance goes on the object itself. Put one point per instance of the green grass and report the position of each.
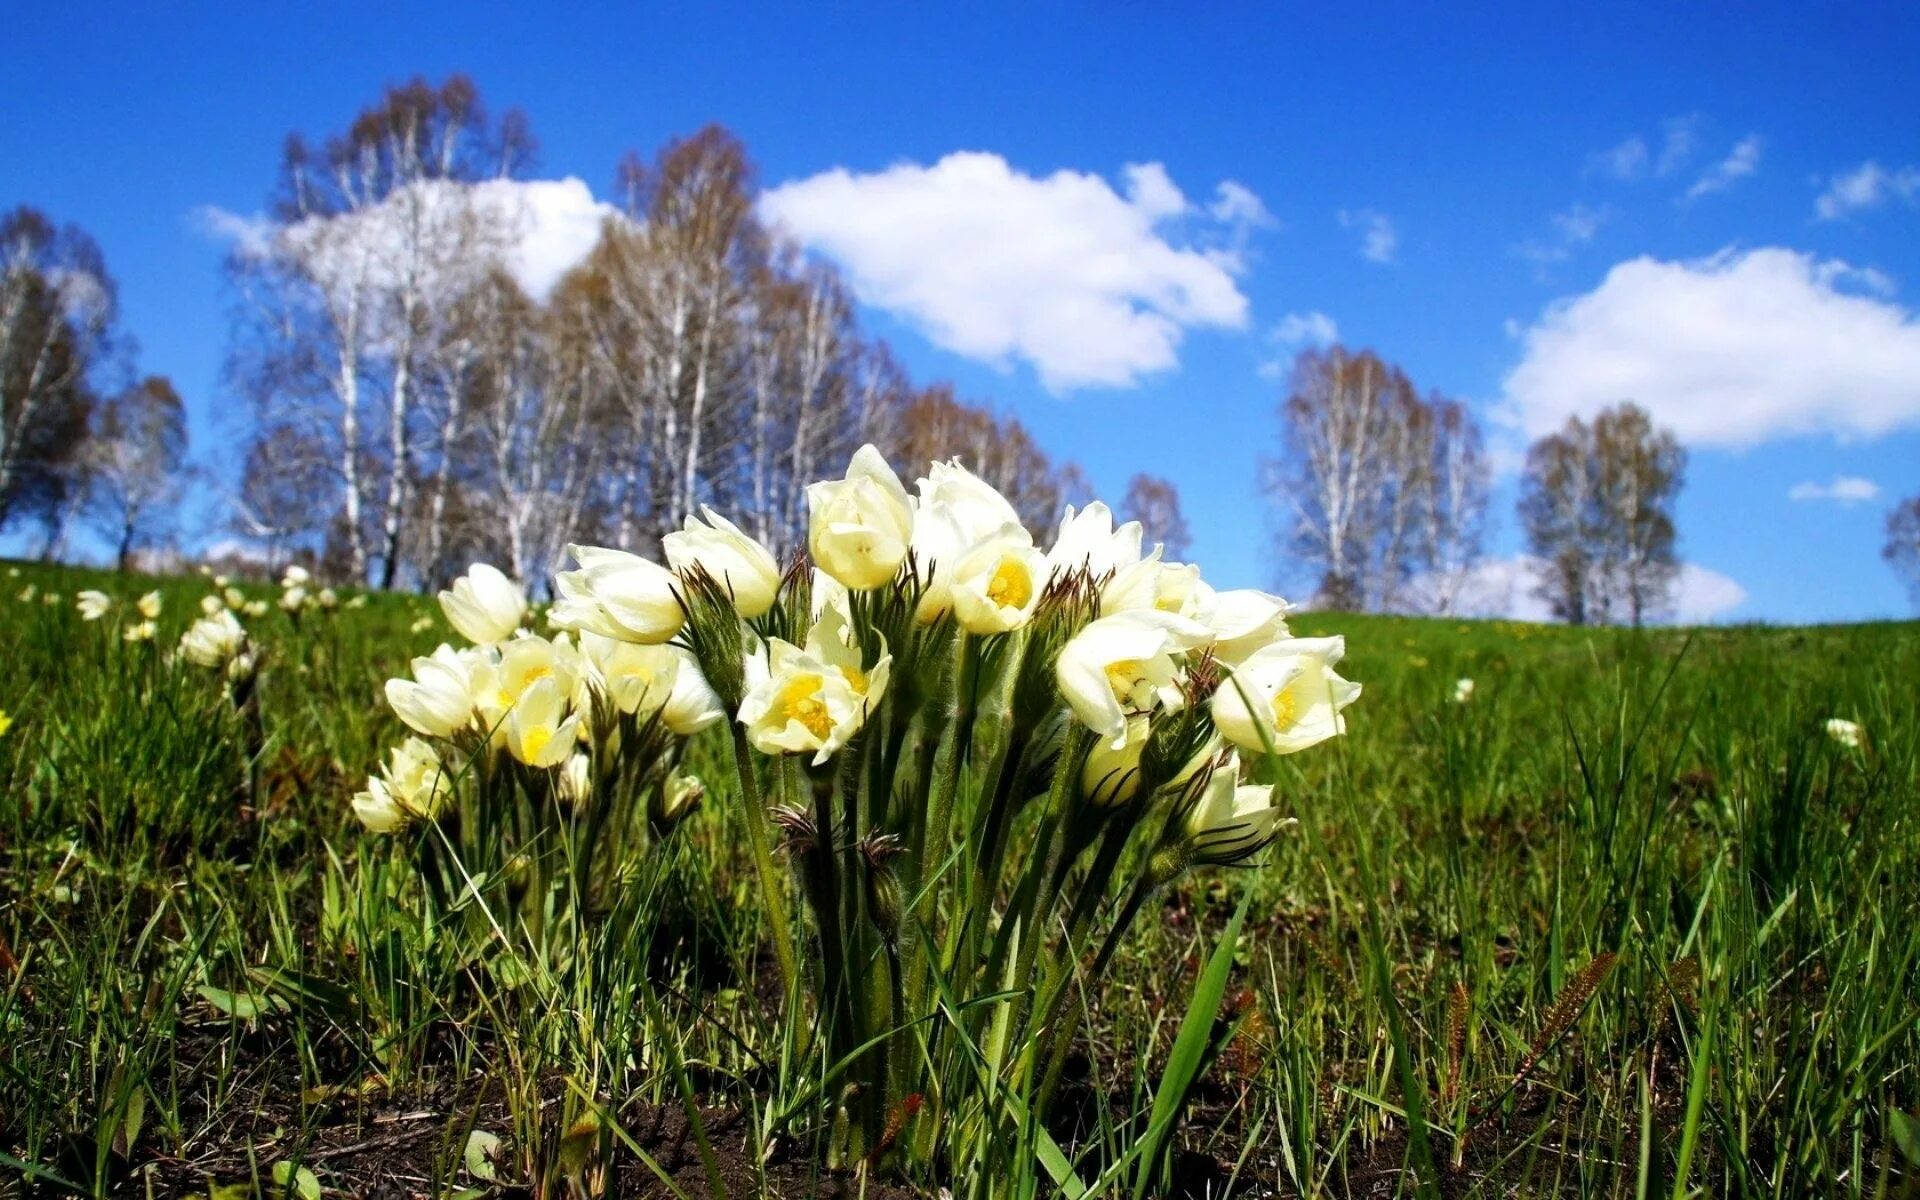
(1628, 923)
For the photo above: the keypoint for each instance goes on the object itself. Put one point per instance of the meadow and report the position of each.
(1626, 920)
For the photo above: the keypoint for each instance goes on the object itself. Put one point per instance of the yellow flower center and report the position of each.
(856, 679)
(800, 701)
(534, 740)
(1011, 585)
(1124, 676)
(1286, 709)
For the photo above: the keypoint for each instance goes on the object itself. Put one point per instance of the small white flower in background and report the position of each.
(51, 598)
(149, 606)
(538, 730)
(206, 571)
(295, 576)
(693, 705)
(1245, 620)
(256, 608)
(996, 585)
(327, 598)
(1122, 665)
(139, 632)
(1089, 539)
(859, 527)
(1845, 732)
(743, 567)
(1463, 691)
(235, 598)
(221, 581)
(92, 605)
(209, 605)
(1111, 776)
(412, 786)
(1231, 820)
(421, 625)
(359, 601)
(574, 786)
(213, 640)
(618, 595)
(1286, 694)
(294, 598)
(484, 606)
(437, 700)
(679, 796)
(28, 593)
(13, 572)
(811, 698)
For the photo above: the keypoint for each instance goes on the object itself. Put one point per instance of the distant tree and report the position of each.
(57, 311)
(936, 425)
(1597, 504)
(135, 457)
(1380, 494)
(1155, 503)
(1902, 550)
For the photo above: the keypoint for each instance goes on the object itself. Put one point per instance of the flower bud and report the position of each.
(859, 527)
(1111, 776)
(743, 568)
(484, 605)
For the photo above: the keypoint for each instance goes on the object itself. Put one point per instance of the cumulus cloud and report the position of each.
(1505, 587)
(1867, 186)
(539, 230)
(1844, 489)
(1091, 286)
(1740, 162)
(1379, 240)
(1731, 350)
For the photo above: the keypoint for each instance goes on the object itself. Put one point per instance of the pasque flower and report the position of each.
(214, 640)
(149, 606)
(956, 514)
(1231, 820)
(1462, 691)
(1285, 697)
(859, 527)
(412, 786)
(92, 605)
(1111, 775)
(996, 585)
(1122, 665)
(1846, 733)
(1089, 540)
(484, 605)
(813, 697)
(438, 700)
(692, 705)
(539, 731)
(1245, 620)
(743, 567)
(618, 595)
(635, 679)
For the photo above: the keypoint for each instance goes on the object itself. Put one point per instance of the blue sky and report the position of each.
(1494, 150)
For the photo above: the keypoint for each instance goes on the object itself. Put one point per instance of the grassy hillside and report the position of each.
(1627, 921)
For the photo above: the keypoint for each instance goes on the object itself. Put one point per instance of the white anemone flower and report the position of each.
(92, 604)
(412, 786)
(742, 567)
(1286, 696)
(1846, 733)
(859, 527)
(539, 730)
(1089, 539)
(997, 585)
(437, 701)
(213, 640)
(1122, 665)
(618, 595)
(812, 698)
(1245, 620)
(483, 605)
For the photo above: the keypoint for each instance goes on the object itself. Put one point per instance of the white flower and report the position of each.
(1088, 539)
(412, 786)
(635, 679)
(811, 698)
(693, 704)
(213, 640)
(295, 576)
(326, 597)
(484, 606)
(1162, 586)
(955, 514)
(1245, 620)
(1462, 691)
(743, 567)
(149, 606)
(294, 598)
(209, 605)
(255, 608)
(437, 701)
(574, 786)
(220, 582)
(859, 527)
(1111, 776)
(1286, 694)
(1232, 820)
(1845, 732)
(679, 796)
(92, 605)
(1122, 665)
(27, 594)
(976, 507)
(141, 631)
(997, 585)
(539, 731)
(359, 601)
(501, 676)
(235, 598)
(421, 625)
(618, 595)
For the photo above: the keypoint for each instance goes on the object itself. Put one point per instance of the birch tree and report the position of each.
(1155, 503)
(136, 458)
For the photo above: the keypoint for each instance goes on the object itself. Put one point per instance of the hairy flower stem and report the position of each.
(931, 849)
(771, 889)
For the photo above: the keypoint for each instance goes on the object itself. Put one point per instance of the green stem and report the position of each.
(772, 890)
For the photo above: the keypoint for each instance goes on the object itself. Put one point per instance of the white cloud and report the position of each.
(1504, 587)
(1731, 350)
(1573, 227)
(1867, 186)
(539, 228)
(1236, 203)
(1297, 331)
(1061, 271)
(1378, 238)
(1626, 160)
(1740, 162)
(1844, 489)
(1632, 159)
